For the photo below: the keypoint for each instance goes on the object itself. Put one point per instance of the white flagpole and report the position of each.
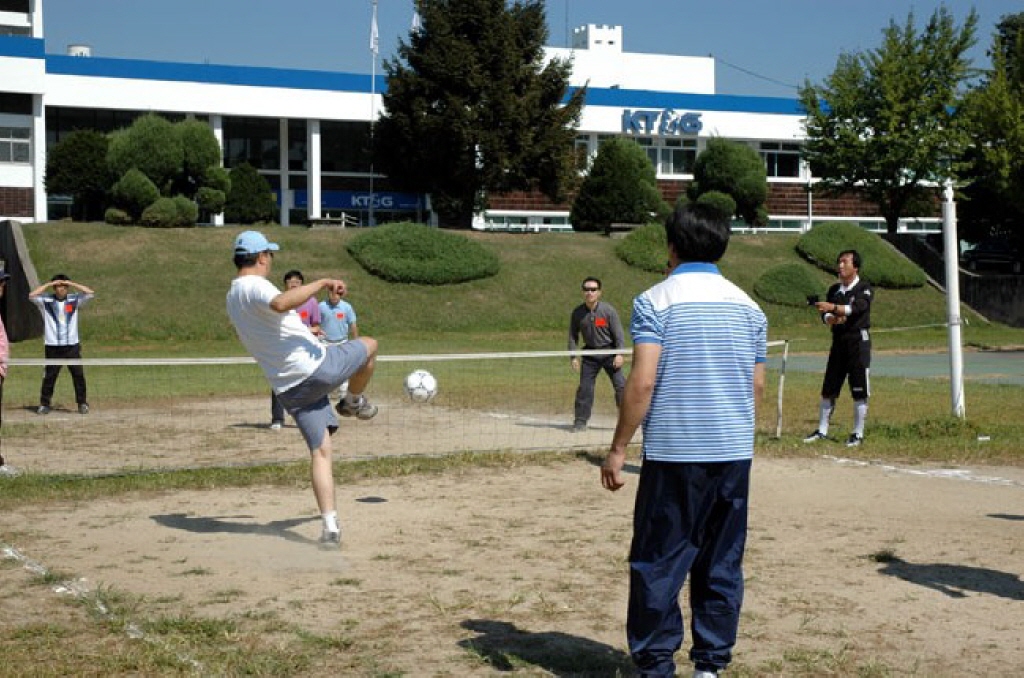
(374, 40)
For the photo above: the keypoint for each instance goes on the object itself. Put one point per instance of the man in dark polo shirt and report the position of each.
(598, 323)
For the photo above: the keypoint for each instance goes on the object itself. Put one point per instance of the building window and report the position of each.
(15, 6)
(677, 156)
(15, 144)
(256, 141)
(345, 147)
(781, 160)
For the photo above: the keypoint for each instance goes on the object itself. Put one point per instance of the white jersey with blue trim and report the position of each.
(711, 335)
(60, 317)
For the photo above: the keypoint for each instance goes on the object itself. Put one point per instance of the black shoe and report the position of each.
(815, 437)
(43, 409)
(83, 408)
(579, 427)
(854, 440)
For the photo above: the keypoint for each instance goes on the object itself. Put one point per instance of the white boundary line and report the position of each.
(80, 590)
(950, 474)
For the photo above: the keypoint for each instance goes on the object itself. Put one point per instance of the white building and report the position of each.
(307, 131)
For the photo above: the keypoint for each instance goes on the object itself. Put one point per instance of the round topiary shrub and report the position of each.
(788, 284)
(117, 217)
(161, 214)
(187, 210)
(134, 192)
(721, 205)
(413, 253)
(645, 248)
(880, 263)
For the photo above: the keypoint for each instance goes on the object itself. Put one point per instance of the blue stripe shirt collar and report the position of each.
(696, 267)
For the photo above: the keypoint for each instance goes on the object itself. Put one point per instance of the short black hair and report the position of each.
(59, 276)
(592, 279)
(696, 233)
(854, 253)
(294, 273)
(246, 260)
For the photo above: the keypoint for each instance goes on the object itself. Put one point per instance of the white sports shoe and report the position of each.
(330, 540)
(705, 674)
(815, 437)
(9, 471)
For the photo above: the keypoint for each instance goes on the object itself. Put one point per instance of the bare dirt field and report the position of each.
(852, 569)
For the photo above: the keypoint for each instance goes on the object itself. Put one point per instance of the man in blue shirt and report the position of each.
(700, 346)
(338, 321)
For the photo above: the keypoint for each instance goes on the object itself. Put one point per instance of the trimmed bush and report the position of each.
(134, 192)
(721, 205)
(645, 248)
(733, 168)
(413, 253)
(150, 145)
(880, 263)
(788, 284)
(211, 200)
(117, 217)
(161, 214)
(216, 177)
(621, 187)
(250, 199)
(187, 212)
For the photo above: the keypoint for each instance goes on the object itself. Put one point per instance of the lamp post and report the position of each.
(951, 246)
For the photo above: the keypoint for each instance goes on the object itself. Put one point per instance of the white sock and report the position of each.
(353, 398)
(825, 414)
(860, 416)
(331, 521)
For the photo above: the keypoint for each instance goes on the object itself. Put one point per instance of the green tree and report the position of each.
(736, 170)
(621, 187)
(200, 152)
(472, 108)
(994, 198)
(77, 166)
(250, 199)
(150, 145)
(134, 192)
(884, 123)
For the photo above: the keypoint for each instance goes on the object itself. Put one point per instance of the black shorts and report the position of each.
(850, 358)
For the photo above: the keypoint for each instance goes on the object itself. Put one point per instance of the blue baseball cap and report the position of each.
(253, 242)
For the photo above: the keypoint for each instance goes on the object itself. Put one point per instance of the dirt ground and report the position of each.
(852, 569)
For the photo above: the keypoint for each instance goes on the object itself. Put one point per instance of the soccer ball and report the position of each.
(420, 386)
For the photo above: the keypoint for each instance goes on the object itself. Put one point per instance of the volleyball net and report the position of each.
(174, 413)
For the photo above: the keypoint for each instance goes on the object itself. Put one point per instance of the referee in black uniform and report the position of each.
(847, 309)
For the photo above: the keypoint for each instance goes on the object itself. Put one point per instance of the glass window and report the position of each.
(344, 146)
(297, 145)
(678, 156)
(18, 104)
(780, 159)
(15, 144)
(18, 6)
(253, 140)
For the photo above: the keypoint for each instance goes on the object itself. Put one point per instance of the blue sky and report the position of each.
(763, 47)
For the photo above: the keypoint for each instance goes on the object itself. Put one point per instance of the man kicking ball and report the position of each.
(301, 370)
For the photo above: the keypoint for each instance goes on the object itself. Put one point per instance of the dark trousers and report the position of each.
(590, 367)
(276, 409)
(50, 372)
(849, 358)
(1, 419)
(690, 518)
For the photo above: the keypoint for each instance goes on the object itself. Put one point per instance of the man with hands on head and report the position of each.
(301, 369)
(699, 352)
(60, 332)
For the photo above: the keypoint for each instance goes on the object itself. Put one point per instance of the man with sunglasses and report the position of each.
(599, 324)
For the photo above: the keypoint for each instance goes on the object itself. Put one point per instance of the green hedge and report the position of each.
(788, 284)
(413, 253)
(880, 263)
(645, 248)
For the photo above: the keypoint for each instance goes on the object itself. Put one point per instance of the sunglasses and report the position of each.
(591, 289)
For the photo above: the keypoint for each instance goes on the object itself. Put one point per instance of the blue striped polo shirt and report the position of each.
(711, 334)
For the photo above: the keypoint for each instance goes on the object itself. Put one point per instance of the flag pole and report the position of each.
(374, 37)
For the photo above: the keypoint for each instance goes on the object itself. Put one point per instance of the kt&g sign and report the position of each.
(664, 123)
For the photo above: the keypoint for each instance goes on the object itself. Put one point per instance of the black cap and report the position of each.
(4, 276)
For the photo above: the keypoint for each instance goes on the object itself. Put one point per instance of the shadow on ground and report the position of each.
(507, 648)
(956, 581)
(236, 525)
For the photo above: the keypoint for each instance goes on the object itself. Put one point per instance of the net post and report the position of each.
(782, 383)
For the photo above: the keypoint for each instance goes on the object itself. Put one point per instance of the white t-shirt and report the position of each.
(283, 346)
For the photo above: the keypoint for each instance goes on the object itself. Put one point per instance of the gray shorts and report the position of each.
(307, 401)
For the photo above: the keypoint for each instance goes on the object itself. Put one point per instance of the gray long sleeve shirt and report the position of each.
(600, 328)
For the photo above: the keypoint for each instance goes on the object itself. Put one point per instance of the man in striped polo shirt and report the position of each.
(700, 346)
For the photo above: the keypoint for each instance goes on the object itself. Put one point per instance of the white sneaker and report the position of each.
(275, 426)
(9, 471)
(854, 440)
(330, 540)
(815, 437)
(705, 674)
(361, 409)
